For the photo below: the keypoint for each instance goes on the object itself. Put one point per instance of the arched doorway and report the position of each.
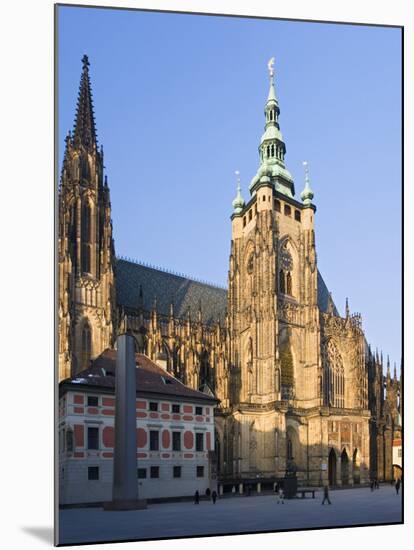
(344, 468)
(356, 472)
(332, 468)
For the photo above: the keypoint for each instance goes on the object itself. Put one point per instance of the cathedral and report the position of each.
(300, 390)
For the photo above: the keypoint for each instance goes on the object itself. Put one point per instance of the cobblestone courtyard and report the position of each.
(231, 515)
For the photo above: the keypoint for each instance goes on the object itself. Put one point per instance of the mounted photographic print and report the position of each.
(229, 266)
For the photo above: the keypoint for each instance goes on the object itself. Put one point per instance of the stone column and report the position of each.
(125, 482)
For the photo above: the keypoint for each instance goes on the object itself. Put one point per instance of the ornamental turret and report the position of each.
(238, 202)
(307, 193)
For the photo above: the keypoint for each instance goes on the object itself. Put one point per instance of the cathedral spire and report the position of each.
(272, 148)
(84, 132)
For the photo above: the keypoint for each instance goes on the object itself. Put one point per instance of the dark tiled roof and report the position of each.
(168, 288)
(184, 293)
(150, 378)
(324, 297)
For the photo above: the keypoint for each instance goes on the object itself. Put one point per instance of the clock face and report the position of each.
(286, 261)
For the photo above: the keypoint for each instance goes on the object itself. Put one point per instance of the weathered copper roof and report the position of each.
(150, 379)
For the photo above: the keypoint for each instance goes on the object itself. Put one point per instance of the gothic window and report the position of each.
(289, 452)
(334, 376)
(277, 205)
(86, 345)
(286, 362)
(285, 277)
(86, 175)
(86, 238)
(297, 215)
(282, 288)
(288, 210)
(289, 284)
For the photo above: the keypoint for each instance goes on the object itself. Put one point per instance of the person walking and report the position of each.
(214, 496)
(397, 486)
(208, 493)
(326, 495)
(281, 496)
(372, 485)
(197, 498)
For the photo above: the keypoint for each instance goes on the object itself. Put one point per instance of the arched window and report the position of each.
(289, 284)
(86, 345)
(334, 376)
(282, 287)
(86, 231)
(289, 449)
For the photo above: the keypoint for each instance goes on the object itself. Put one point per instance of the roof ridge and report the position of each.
(169, 271)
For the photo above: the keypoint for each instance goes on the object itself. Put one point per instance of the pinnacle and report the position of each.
(84, 129)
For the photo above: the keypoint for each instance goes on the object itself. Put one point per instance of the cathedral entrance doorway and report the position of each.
(356, 473)
(332, 468)
(344, 468)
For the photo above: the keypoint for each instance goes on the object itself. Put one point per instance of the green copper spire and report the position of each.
(272, 148)
(238, 202)
(307, 193)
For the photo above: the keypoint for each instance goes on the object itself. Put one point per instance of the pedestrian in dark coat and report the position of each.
(397, 486)
(325, 495)
(372, 485)
(197, 498)
(208, 492)
(214, 496)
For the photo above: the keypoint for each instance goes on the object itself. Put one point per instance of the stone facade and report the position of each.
(298, 385)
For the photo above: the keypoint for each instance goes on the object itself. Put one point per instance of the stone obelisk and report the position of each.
(125, 482)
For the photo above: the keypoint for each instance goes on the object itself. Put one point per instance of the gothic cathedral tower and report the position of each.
(87, 307)
(274, 318)
(272, 306)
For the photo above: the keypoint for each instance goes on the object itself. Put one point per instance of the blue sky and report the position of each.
(179, 107)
